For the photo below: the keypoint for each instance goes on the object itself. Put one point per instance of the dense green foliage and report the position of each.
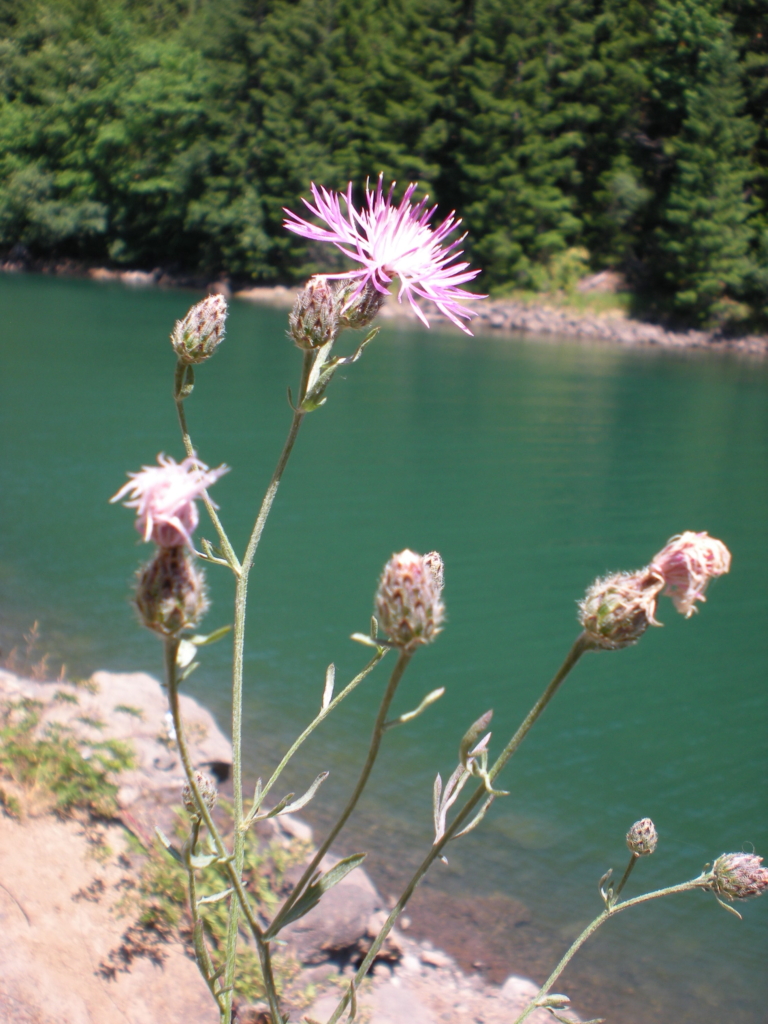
(630, 133)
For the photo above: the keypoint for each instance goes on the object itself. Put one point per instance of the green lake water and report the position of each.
(533, 466)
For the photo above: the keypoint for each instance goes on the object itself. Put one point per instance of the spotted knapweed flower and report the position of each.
(738, 876)
(199, 334)
(164, 498)
(642, 838)
(408, 604)
(170, 593)
(393, 241)
(687, 563)
(617, 610)
(206, 787)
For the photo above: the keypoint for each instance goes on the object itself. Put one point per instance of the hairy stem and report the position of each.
(241, 598)
(695, 883)
(625, 877)
(373, 750)
(579, 647)
(226, 547)
(171, 650)
(319, 718)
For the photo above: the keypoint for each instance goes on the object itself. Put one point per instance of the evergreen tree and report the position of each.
(705, 234)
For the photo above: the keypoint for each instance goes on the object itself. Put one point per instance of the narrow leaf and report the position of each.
(202, 860)
(186, 653)
(731, 910)
(330, 680)
(216, 898)
(210, 638)
(312, 894)
(435, 695)
(363, 638)
(188, 671)
(477, 818)
(437, 792)
(304, 800)
(472, 735)
(169, 845)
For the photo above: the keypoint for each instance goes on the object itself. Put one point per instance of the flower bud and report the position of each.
(642, 838)
(617, 610)
(360, 312)
(687, 563)
(314, 319)
(199, 334)
(434, 563)
(206, 787)
(171, 593)
(408, 604)
(738, 876)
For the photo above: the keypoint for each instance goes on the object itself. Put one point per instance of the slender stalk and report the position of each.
(226, 547)
(590, 930)
(625, 877)
(205, 963)
(241, 598)
(373, 750)
(235, 877)
(580, 645)
(319, 718)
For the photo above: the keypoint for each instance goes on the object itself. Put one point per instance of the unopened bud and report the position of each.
(408, 604)
(171, 593)
(642, 838)
(361, 311)
(738, 876)
(206, 787)
(199, 334)
(617, 610)
(314, 319)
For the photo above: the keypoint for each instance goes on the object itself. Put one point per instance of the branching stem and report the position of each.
(579, 647)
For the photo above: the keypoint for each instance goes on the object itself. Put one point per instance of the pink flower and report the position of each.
(393, 241)
(164, 498)
(687, 564)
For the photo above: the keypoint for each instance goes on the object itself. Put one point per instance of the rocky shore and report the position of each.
(69, 948)
(494, 315)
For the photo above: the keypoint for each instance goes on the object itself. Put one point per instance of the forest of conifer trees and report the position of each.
(626, 134)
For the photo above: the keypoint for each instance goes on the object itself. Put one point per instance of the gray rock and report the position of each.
(338, 922)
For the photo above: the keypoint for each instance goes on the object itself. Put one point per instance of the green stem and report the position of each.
(241, 598)
(625, 877)
(590, 930)
(204, 962)
(171, 650)
(579, 647)
(318, 719)
(226, 547)
(373, 750)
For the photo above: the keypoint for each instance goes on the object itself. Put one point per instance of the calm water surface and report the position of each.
(533, 467)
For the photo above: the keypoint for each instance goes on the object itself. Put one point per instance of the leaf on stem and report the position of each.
(304, 800)
(470, 739)
(477, 818)
(444, 799)
(731, 910)
(168, 845)
(312, 894)
(202, 860)
(210, 638)
(435, 695)
(186, 653)
(369, 641)
(330, 680)
(217, 897)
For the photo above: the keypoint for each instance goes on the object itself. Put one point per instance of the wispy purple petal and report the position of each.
(393, 241)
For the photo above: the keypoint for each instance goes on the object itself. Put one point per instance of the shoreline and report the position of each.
(76, 895)
(494, 316)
